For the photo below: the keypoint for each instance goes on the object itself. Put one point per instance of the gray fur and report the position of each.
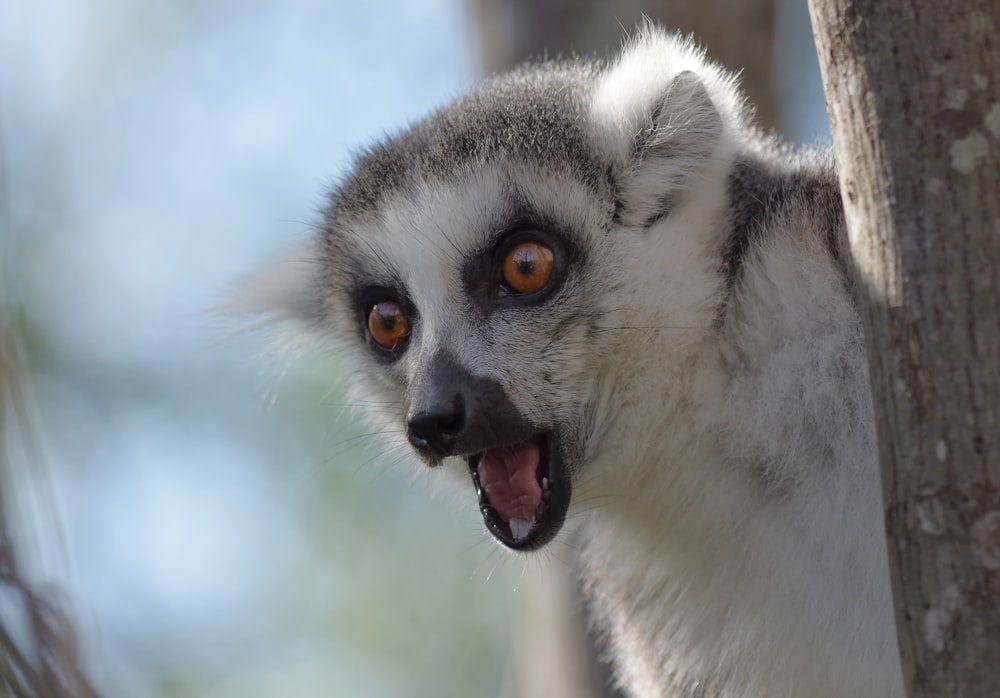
(768, 180)
(531, 114)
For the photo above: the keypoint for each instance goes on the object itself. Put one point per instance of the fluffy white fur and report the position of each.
(727, 503)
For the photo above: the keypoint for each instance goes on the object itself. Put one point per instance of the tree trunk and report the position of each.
(913, 91)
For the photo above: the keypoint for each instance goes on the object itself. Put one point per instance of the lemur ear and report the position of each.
(673, 149)
(666, 117)
(685, 124)
(286, 290)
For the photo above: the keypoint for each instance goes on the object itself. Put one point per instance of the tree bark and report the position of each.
(913, 92)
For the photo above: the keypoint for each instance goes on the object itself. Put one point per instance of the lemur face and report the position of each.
(490, 269)
(467, 355)
(479, 312)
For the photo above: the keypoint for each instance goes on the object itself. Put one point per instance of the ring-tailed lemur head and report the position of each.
(517, 271)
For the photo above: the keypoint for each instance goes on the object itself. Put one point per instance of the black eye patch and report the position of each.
(388, 343)
(484, 276)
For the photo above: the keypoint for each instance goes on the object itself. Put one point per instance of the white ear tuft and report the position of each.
(663, 113)
(285, 290)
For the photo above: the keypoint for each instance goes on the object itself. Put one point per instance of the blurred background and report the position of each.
(208, 516)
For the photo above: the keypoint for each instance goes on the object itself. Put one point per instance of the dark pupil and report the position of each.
(526, 266)
(388, 321)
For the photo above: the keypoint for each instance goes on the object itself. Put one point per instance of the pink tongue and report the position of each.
(509, 476)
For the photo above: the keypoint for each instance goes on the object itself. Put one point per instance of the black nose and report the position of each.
(436, 428)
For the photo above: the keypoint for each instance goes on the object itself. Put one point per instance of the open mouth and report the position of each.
(523, 492)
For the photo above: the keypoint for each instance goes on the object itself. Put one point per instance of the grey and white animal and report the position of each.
(601, 300)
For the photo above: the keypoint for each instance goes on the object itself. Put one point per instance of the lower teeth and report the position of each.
(519, 529)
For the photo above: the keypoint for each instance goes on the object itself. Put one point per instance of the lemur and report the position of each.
(600, 278)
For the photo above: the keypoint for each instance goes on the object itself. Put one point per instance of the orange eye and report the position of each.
(388, 324)
(528, 267)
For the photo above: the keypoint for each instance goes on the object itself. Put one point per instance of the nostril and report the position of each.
(437, 428)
